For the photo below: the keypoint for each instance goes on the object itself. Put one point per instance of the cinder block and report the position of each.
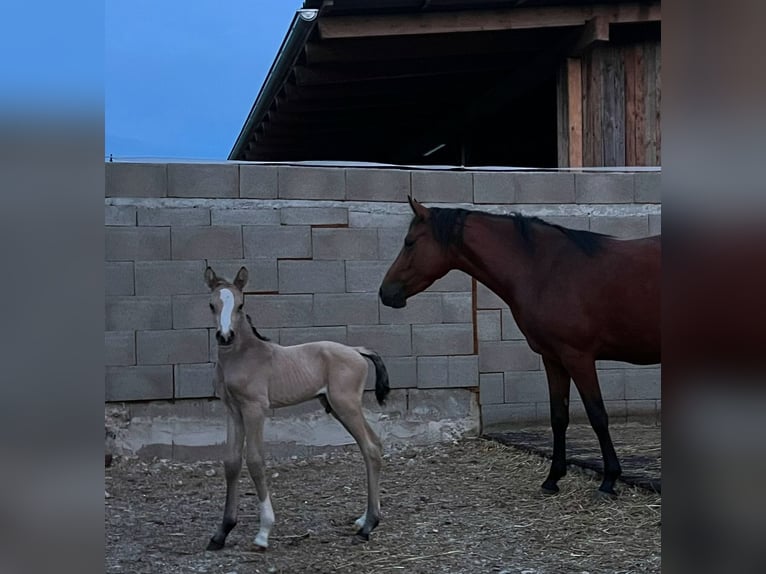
(642, 384)
(648, 187)
(194, 381)
(511, 331)
(203, 180)
(604, 187)
(525, 386)
(402, 373)
(258, 181)
(489, 324)
(524, 187)
(581, 222)
(453, 339)
(312, 277)
(345, 309)
(262, 273)
(120, 215)
(275, 242)
(168, 347)
(612, 384)
(641, 410)
(297, 336)
(314, 216)
(389, 340)
(132, 313)
(374, 219)
(433, 372)
(655, 224)
(606, 365)
(390, 242)
(219, 241)
(118, 278)
(463, 371)
(345, 243)
(453, 281)
(508, 414)
(442, 186)
(257, 216)
(119, 348)
(312, 183)
(627, 227)
(272, 311)
(377, 184)
(491, 388)
(167, 216)
(192, 312)
(136, 180)
(365, 276)
(136, 243)
(142, 383)
(457, 308)
(486, 299)
(170, 277)
(436, 404)
(500, 356)
(423, 308)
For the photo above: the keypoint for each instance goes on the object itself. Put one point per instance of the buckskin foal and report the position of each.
(577, 296)
(253, 374)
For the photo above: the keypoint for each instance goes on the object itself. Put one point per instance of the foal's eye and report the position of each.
(408, 242)
(211, 307)
(240, 306)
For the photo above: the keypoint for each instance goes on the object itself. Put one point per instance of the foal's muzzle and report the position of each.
(223, 341)
(392, 295)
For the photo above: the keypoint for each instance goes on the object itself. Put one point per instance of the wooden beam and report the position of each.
(596, 31)
(574, 111)
(415, 24)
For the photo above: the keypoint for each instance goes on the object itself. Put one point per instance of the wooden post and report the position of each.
(574, 111)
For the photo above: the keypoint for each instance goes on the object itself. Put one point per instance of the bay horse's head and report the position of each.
(421, 261)
(226, 303)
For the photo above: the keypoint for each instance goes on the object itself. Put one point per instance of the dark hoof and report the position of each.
(549, 488)
(259, 548)
(606, 494)
(360, 538)
(214, 545)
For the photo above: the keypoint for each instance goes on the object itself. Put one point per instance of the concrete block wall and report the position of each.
(317, 242)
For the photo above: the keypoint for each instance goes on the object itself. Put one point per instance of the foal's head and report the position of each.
(423, 259)
(226, 303)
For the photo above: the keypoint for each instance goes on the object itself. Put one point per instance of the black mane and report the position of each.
(255, 331)
(447, 226)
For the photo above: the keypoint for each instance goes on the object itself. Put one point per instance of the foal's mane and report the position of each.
(255, 331)
(447, 226)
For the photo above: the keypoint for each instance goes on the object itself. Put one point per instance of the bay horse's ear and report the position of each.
(241, 279)
(417, 208)
(211, 278)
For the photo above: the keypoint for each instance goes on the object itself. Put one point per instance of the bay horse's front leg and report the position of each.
(232, 465)
(254, 417)
(558, 392)
(586, 381)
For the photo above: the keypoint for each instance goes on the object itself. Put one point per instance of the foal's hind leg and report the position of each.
(232, 465)
(254, 417)
(558, 390)
(586, 380)
(349, 413)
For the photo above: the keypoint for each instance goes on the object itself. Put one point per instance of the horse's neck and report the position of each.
(492, 253)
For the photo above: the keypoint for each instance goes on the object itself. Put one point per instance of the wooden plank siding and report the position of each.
(621, 107)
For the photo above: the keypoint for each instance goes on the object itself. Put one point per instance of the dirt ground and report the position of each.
(473, 506)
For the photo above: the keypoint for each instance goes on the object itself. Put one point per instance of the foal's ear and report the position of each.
(417, 208)
(241, 279)
(211, 278)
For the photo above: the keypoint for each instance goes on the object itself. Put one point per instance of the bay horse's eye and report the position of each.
(408, 242)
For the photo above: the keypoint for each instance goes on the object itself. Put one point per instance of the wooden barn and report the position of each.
(533, 83)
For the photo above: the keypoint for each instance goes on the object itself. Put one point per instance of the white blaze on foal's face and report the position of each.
(227, 298)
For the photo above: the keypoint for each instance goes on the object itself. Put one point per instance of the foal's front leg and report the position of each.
(254, 419)
(232, 464)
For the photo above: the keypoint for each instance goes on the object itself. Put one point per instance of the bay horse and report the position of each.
(253, 374)
(577, 297)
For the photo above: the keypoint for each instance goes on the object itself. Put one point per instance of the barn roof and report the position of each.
(396, 81)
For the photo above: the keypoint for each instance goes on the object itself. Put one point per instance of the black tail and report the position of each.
(381, 375)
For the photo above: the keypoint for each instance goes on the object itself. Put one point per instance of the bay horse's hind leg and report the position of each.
(349, 413)
(558, 391)
(232, 465)
(586, 381)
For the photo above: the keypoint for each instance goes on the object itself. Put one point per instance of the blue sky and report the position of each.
(180, 77)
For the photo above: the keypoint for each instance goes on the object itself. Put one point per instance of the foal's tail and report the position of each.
(381, 374)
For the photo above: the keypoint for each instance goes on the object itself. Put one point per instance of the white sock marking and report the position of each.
(227, 297)
(267, 520)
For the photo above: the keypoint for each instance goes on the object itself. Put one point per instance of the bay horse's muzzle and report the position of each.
(392, 295)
